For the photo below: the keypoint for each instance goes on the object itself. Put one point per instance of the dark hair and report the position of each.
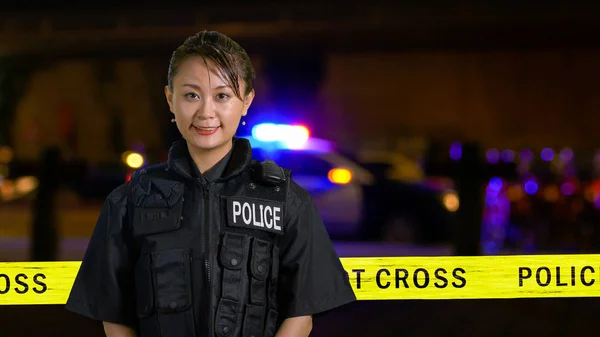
(231, 59)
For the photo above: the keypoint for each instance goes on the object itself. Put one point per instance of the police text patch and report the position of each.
(253, 213)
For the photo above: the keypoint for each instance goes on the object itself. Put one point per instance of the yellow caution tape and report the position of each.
(478, 277)
(36, 282)
(375, 278)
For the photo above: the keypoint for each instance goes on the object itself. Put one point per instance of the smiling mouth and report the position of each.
(205, 131)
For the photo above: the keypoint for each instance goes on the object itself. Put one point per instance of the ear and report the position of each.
(247, 102)
(169, 96)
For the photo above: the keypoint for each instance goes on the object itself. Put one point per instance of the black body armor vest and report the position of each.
(206, 254)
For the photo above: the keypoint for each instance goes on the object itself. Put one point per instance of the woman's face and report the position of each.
(206, 110)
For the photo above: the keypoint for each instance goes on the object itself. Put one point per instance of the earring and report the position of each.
(172, 120)
(243, 122)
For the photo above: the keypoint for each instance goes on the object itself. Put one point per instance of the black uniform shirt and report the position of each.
(214, 173)
(114, 284)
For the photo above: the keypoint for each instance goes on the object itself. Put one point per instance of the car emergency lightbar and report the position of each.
(271, 136)
(293, 136)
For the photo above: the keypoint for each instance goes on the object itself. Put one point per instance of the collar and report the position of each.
(241, 157)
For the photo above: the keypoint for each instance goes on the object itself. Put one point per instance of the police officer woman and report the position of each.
(211, 242)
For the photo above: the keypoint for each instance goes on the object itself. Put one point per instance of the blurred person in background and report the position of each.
(210, 242)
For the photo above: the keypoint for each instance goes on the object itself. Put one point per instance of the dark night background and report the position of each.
(513, 82)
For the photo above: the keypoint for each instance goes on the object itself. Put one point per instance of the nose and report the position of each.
(206, 109)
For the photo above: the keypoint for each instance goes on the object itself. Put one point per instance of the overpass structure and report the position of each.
(335, 25)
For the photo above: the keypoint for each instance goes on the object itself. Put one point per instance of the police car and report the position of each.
(334, 182)
(353, 202)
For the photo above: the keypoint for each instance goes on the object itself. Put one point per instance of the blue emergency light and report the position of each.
(292, 136)
(273, 137)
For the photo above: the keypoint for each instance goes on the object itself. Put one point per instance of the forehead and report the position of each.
(198, 69)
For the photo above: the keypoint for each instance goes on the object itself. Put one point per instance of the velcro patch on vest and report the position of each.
(251, 213)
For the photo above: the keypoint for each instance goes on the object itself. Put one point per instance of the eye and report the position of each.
(222, 96)
(192, 95)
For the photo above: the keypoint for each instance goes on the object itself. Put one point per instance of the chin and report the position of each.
(207, 143)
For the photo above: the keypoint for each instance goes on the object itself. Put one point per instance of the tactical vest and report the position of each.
(240, 255)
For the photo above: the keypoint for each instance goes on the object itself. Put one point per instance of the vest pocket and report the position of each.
(172, 280)
(271, 325)
(233, 251)
(254, 321)
(164, 294)
(261, 259)
(227, 313)
(272, 315)
(233, 258)
(260, 266)
(157, 209)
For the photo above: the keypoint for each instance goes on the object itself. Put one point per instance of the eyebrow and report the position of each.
(194, 86)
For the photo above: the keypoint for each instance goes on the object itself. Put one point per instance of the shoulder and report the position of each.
(268, 172)
(148, 171)
(298, 197)
(121, 193)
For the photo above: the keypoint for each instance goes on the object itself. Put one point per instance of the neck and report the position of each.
(207, 159)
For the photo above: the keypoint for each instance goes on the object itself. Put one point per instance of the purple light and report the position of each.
(566, 154)
(508, 156)
(496, 220)
(531, 187)
(495, 184)
(547, 154)
(455, 151)
(493, 156)
(567, 188)
(490, 247)
(526, 155)
(491, 199)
